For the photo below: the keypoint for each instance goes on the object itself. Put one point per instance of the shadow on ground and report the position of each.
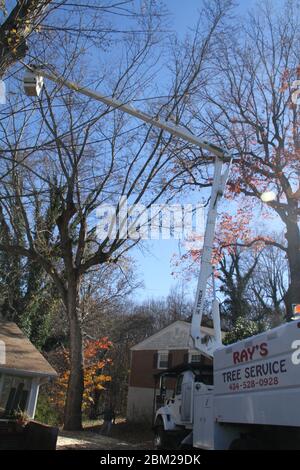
(124, 436)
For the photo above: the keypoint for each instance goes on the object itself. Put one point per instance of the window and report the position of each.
(162, 360)
(195, 358)
(14, 394)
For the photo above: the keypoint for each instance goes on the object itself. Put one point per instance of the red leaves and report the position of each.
(234, 186)
(284, 81)
(92, 347)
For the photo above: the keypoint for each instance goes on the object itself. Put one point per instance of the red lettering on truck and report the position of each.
(248, 354)
(264, 349)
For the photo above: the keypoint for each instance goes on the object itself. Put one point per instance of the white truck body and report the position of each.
(256, 392)
(256, 382)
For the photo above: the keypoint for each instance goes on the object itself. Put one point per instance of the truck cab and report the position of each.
(173, 421)
(251, 404)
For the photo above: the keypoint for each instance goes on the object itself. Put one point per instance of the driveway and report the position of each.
(85, 440)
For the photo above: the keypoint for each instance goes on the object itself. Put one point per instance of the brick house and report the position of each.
(167, 348)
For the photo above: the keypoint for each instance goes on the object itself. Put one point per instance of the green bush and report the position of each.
(243, 329)
(46, 412)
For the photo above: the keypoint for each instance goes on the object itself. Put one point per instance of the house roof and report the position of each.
(174, 336)
(20, 354)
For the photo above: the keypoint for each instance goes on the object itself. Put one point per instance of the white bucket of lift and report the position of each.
(33, 83)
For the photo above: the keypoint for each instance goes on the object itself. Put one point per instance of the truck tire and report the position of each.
(160, 438)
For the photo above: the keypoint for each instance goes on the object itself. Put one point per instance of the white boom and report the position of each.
(206, 268)
(33, 85)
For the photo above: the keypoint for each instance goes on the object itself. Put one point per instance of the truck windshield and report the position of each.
(179, 385)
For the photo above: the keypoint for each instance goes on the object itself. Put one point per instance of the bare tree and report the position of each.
(22, 20)
(164, 311)
(269, 285)
(33, 21)
(236, 271)
(71, 155)
(253, 283)
(251, 108)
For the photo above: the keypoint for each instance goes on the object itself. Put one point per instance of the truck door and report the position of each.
(187, 402)
(176, 408)
(203, 429)
(182, 401)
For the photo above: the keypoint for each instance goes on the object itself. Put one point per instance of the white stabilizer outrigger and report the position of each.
(33, 83)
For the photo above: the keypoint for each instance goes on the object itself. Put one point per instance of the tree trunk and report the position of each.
(293, 252)
(73, 412)
(16, 28)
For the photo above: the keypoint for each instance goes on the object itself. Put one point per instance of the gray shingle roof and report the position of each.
(21, 355)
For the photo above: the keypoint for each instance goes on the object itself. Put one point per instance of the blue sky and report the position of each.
(154, 260)
(185, 12)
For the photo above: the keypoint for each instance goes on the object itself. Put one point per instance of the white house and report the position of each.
(22, 370)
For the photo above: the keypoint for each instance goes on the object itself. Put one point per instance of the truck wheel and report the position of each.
(160, 440)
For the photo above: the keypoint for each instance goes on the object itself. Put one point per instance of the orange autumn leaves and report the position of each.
(232, 229)
(95, 360)
(235, 231)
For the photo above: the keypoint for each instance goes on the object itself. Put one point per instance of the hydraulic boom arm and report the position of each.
(206, 268)
(33, 82)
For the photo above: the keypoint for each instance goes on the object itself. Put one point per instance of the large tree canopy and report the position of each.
(64, 155)
(16, 28)
(253, 110)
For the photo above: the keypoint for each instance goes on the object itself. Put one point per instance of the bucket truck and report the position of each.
(253, 400)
